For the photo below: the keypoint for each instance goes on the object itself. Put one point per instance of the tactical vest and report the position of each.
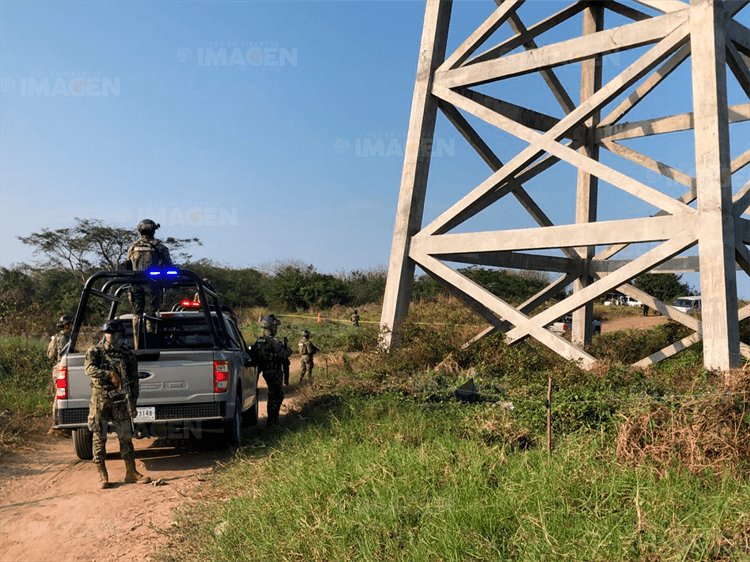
(144, 254)
(267, 356)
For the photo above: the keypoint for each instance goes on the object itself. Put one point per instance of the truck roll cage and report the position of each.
(119, 282)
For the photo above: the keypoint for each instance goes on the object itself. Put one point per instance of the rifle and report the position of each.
(125, 387)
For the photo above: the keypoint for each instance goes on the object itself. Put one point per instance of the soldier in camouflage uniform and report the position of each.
(270, 355)
(307, 349)
(54, 350)
(146, 253)
(355, 318)
(113, 369)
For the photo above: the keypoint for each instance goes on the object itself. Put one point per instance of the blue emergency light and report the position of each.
(158, 272)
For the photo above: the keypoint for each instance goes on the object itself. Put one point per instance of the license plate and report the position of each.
(146, 414)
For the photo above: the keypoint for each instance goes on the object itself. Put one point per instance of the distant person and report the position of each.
(355, 318)
(307, 350)
(111, 366)
(57, 344)
(145, 253)
(645, 310)
(270, 355)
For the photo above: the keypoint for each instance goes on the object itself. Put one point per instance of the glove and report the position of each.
(114, 378)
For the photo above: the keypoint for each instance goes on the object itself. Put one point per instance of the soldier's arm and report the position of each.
(165, 257)
(52, 349)
(93, 368)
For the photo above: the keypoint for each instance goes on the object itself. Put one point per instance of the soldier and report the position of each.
(307, 349)
(54, 350)
(270, 355)
(145, 253)
(355, 318)
(113, 369)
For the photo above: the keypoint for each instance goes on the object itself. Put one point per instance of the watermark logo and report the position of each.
(240, 55)
(67, 84)
(184, 54)
(7, 84)
(197, 215)
(377, 145)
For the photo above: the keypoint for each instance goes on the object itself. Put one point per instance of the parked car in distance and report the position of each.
(689, 305)
(622, 300)
(565, 324)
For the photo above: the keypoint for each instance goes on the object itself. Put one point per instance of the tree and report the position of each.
(89, 245)
(663, 286)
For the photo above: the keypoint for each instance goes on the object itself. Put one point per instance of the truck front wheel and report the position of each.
(233, 428)
(250, 417)
(82, 439)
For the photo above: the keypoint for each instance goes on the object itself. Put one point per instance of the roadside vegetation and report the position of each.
(380, 460)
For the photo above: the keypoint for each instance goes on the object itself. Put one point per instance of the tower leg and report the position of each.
(721, 342)
(416, 169)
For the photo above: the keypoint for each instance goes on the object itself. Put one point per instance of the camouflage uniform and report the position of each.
(56, 345)
(54, 351)
(108, 402)
(144, 253)
(307, 349)
(270, 355)
(355, 318)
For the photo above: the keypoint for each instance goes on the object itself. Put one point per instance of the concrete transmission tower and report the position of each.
(705, 228)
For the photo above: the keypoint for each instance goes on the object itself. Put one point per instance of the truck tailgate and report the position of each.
(180, 376)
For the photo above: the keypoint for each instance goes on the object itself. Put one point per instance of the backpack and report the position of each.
(264, 353)
(143, 254)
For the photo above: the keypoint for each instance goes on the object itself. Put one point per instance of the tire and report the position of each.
(233, 427)
(82, 440)
(250, 417)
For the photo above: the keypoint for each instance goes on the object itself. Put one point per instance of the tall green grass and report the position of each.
(390, 478)
(25, 382)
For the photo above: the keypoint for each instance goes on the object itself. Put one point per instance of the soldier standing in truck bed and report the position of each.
(145, 253)
(270, 355)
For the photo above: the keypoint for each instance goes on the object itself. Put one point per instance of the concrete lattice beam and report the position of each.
(709, 216)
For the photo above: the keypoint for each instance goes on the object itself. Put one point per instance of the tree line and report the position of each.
(33, 296)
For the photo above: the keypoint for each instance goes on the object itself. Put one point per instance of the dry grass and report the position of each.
(708, 432)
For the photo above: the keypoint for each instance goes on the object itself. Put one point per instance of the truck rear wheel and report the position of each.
(233, 428)
(82, 440)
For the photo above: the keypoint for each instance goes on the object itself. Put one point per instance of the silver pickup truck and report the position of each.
(194, 368)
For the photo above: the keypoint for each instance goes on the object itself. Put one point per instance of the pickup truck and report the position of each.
(195, 373)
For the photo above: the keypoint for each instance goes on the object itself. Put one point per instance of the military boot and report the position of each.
(132, 476)
(103, 476)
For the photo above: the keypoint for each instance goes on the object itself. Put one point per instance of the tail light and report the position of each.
(221, 376)
(61, 382)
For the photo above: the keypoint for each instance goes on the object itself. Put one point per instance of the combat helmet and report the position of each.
(305, 333)
(65, 319)
(147, 227)
(113, 326)
(271, 323)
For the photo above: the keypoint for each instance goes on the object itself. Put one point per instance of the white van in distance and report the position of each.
(689, 305)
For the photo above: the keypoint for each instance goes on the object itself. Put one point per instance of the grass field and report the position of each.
(383, 463)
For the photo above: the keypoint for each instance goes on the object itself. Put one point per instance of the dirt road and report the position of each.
(632, 323)
(52, 510)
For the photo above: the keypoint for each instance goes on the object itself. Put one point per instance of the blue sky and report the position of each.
(296, 156)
